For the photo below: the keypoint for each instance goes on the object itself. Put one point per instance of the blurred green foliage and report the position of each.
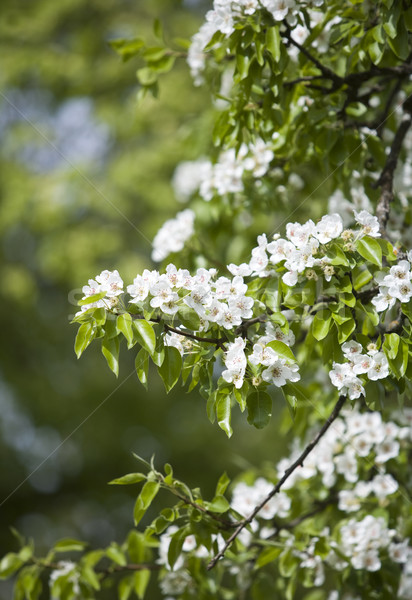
(85, 184)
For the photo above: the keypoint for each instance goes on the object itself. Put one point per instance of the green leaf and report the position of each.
(116, 555)
(391, 345)
(370, 249)
(127, 48)
(171, 367)
(158, 30)
(9, 564)
(288, 563)
(176, 543)
(128, 479)
(125, 326)
(83, 338)
(242, 64)
(223, 408)
(144, 500)
(125, 588)
(259, 407)
(211, 407)
(222, 484)
(142, 366)
(146, 76)
(91, 299)
(189, 318)
(321, 324)
(145, 335)
(110, 350)
(273, 42)
(69, 545)
(345, 330)
(282, 350)
(219, 504)
(361, 276)
(336, 255)
(267, 556)
(141, 581)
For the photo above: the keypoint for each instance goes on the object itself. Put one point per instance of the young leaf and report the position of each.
(175, 546)
(125, 326)
(223, 412)
(171, 367)
(321, 324)
(110, 350)
(282, 350)
(144, 500)
(142, 366)
(128, 479)
(273, 42)
(370, 249)
(83, 338)
(259, 406)
(145, 335)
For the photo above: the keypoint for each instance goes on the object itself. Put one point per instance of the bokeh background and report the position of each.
(85, 183)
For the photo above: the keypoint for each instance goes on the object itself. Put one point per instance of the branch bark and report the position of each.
(385, 181)
(298, 463)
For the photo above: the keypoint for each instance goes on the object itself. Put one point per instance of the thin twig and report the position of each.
(298, 463)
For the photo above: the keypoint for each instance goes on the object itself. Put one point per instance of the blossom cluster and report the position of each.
(223, 18)
(226, 175)
(301, 250)
(222, 301)
(396, 285)
(344, 376)
(362, 542)
(108, 283)
(353, 436)
(173, 235)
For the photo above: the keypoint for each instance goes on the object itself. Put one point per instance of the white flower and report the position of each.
(379, 368)
(111, 283)
(384, 485)
(383, 300)
(198, 298)
(262, 355)
(386, 450)
(261, 157)
(259, 260)
(188, 176)
(399, 552)
(328, 228)
(351, 349)
(290, 278)
(348, 501)
(402, 291)
(361, 363)
(175, 340)
(244, 304)
(243, 270)
(299, 234)
(235, 361)
(279, 372)
(279, 8)
(173, 234)
(368, 560)
(229, 317)
(370, 224)
(139, 290)
(279, 250)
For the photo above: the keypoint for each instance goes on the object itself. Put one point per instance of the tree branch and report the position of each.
(326, 72)
(298, 463)
(385, 181)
